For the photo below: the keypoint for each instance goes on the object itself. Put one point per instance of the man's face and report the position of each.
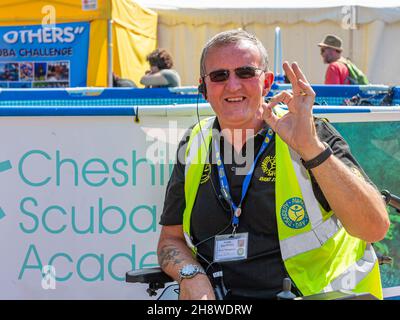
(154, 69)
(236, 102)
(328, 54)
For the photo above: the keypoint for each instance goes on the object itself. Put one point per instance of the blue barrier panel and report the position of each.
(337, 94)
(326, 95)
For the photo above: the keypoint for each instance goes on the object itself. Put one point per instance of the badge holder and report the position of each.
(231, 247)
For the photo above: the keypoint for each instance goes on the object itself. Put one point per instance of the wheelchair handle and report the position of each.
(391, 200)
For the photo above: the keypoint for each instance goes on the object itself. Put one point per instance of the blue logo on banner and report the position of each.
(44, 56)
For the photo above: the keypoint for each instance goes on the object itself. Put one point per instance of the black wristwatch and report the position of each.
(188, 271)
(315, 162)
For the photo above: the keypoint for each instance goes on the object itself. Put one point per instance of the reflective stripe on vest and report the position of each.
(317, 251)
(309, 240)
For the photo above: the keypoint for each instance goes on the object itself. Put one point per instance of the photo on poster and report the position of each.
(9, 72)
(26, 71)
(40, 71)
(58, 71)
(3, 76)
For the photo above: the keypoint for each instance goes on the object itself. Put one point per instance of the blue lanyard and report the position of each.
(223, 181)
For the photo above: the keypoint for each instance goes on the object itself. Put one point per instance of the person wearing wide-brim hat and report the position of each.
(331, 52)
(333, 42)
(340, 69)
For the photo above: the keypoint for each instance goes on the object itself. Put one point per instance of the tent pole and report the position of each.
(109, 54)
(353, 26)
(278, 71)
(351, 38)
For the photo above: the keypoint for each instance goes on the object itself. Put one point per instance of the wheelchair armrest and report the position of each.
(148, 275)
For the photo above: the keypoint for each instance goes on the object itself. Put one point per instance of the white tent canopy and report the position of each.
(370, 31)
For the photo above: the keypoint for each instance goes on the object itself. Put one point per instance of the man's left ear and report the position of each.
(268, 81)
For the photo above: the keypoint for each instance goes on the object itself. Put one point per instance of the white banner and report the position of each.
(83, 195)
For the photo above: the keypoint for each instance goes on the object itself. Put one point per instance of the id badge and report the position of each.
(230, 247)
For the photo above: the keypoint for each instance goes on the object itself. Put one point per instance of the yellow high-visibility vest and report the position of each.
(318, 253)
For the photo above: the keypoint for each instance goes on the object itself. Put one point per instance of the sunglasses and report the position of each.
(246, 72)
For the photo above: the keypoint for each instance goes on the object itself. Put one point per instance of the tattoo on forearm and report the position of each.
(169, 254)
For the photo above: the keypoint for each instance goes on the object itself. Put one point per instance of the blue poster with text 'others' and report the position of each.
(44, 56)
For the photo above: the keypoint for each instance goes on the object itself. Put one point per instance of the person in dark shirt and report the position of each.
(259, 194)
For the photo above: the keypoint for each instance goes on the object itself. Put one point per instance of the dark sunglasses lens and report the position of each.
(219, 75)
(245, 72)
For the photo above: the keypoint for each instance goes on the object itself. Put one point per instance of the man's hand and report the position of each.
(296, 127)
(196, 288)
(356, 203)
(173, 254)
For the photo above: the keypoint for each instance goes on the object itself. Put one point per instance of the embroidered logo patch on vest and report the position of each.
(206, 173)
(294, 214)
(268, 167)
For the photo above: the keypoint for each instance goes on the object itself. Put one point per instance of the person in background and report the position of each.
(160, 73)
(340, 70)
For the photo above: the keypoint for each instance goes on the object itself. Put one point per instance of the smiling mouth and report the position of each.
(237, 99)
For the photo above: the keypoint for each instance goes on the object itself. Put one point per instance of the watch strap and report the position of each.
(197, 270)
(319, 159)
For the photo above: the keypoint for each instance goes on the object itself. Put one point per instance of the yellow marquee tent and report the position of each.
(134, 31)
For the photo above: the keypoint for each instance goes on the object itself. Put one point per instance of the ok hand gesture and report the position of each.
(296, 127)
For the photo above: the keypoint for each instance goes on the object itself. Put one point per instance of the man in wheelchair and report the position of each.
(260, 193)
